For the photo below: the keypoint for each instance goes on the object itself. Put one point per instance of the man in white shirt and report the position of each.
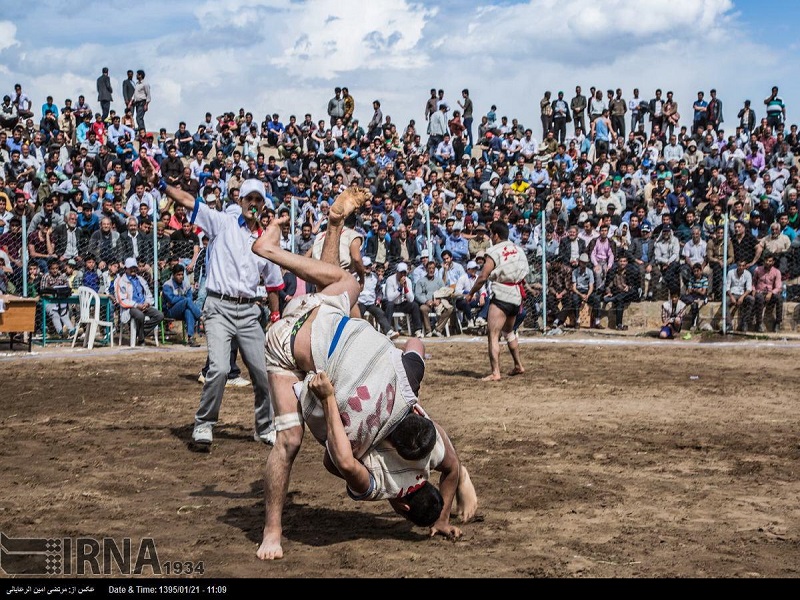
(400, 298)
(739, 286)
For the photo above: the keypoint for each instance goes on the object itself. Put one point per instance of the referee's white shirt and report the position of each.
(232, 267)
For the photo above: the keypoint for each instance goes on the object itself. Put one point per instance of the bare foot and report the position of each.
(347, 203)
(270, 241)
(466, 498)
(270, 548)
(491, 377)
(517, 371)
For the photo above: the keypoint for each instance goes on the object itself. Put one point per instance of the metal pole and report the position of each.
(544, 272)
(725, 279)
(24, 242)
(427, 210)
(156, 273)
(292, 218)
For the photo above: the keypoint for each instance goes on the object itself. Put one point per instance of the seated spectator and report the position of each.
(371, 298)
(739, 287)
(136, 301)
(583, 290)
(400, 298)
(91, 276)
(767, 285)
(178, 302)
(57, 311)
(426, 294)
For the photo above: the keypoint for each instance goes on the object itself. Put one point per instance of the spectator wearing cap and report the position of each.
(479, 242)
(642, 252)
(400, 298)
(178, 302)
(136, 301)
(457, 245)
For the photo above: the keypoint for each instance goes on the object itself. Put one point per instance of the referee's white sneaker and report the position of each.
(237, 382)
(202, 433)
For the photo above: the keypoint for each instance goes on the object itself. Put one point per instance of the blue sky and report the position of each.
(286, 56)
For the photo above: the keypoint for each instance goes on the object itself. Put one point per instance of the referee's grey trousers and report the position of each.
(225, 321)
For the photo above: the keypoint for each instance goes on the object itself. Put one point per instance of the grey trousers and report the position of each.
(225, 321)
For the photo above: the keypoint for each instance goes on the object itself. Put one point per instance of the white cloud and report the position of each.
(286, 56)
(8, 32)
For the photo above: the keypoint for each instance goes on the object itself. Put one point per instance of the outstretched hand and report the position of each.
(451, 532)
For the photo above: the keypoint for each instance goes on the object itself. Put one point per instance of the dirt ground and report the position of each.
(616, 461)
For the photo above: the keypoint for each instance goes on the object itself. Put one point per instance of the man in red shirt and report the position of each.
(768, 286)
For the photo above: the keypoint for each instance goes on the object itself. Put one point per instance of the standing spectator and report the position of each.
(739, 286)
(140, 101)
(560, 114)
(179, 304)
(578, 107)
(104, 92)
(714, 111)
(336, 106)
(468, 109)
(768, 287)
(696, 292)
(437, 128)
(546, 110)
(776, 109)
(747, 118)
(128, 87)
(617, 108)
(374, 127)
(700, 108)
(622, 288)
(349, 106)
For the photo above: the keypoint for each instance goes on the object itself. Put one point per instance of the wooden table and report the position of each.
(19, 317)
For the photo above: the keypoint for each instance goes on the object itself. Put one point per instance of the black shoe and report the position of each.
(622, 328)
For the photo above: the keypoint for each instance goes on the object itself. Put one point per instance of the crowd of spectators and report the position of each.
(622, 201)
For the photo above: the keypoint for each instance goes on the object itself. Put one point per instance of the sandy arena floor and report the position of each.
(643, 460)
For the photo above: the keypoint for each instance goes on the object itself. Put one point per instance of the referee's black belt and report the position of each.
(234, 299)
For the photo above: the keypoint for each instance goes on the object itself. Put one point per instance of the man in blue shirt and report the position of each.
(457, 245)
(274, 130)
(179, 304)
(700, 113)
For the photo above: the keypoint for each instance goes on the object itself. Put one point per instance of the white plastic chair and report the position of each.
(91, 317)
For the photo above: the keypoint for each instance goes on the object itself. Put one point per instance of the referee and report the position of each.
(230, 311)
